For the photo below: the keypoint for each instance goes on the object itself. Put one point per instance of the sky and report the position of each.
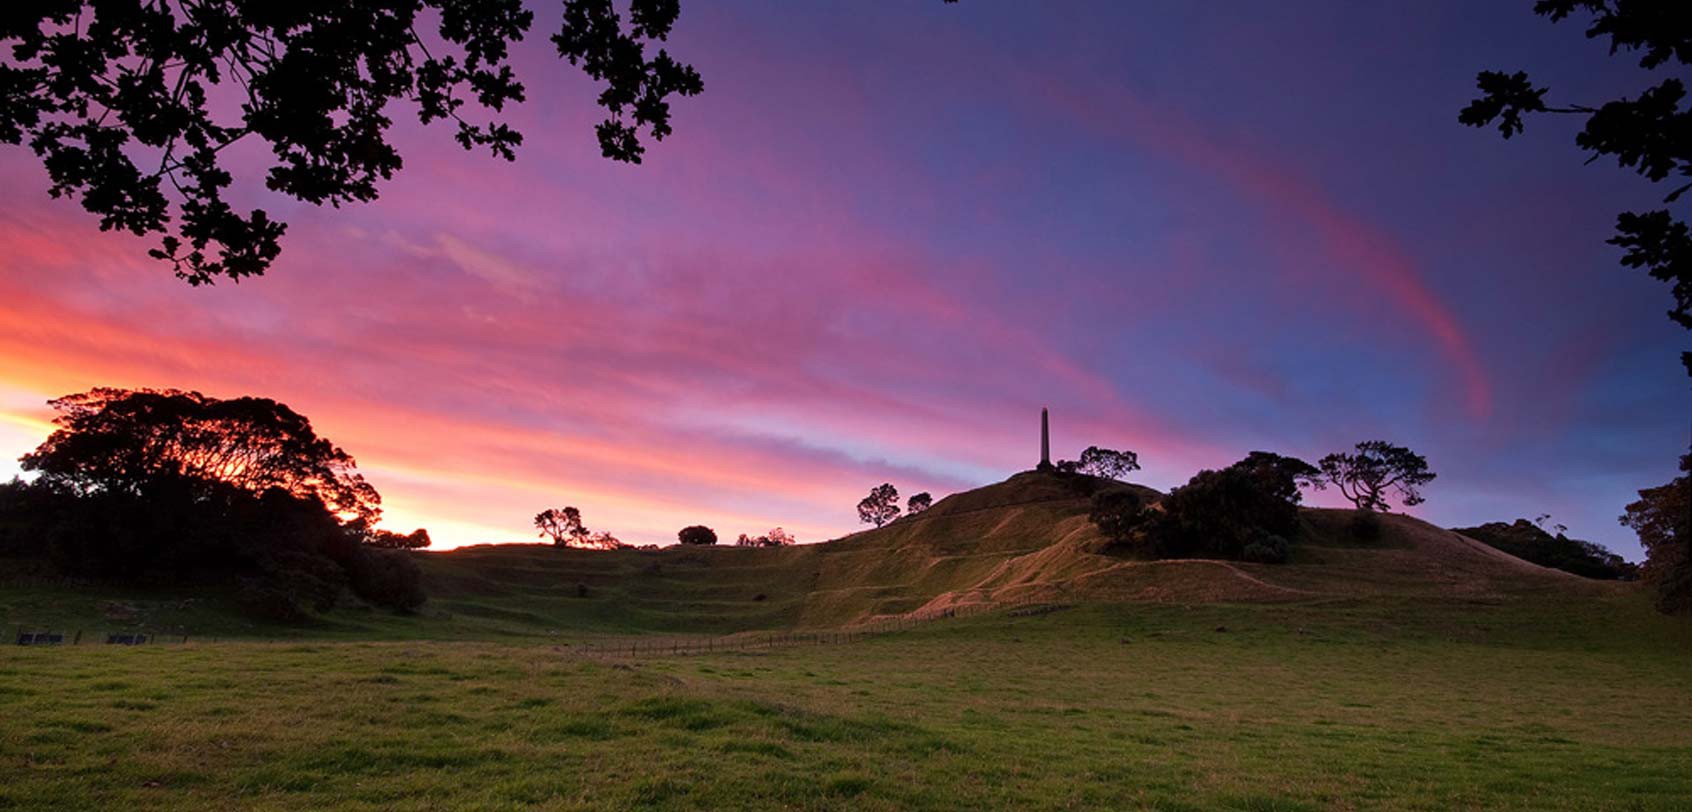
(887, 234)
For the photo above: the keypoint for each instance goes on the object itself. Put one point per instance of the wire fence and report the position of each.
(630, 646)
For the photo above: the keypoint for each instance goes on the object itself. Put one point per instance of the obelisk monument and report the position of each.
(1045, 442)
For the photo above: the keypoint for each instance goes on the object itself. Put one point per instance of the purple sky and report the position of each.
(888, 233)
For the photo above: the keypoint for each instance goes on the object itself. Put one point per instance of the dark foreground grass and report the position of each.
(1392, 706)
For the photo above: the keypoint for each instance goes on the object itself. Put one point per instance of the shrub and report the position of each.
(262, 600)
(388, 578)
(1267, 548)
(1219, 514)
(697, 534)
(1117, 513)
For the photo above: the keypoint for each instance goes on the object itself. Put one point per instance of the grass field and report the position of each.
(1336, 705)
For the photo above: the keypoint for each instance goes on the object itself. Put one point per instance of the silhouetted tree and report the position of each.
(1530, 542)
(777, 537)
(918, 503)
(142, 442)
(123, 101)
(697, 534)
(1236, 512)
(178, 487)
(415, 540)
(1067, 466)
(1663, 519)
(1117, 513)
(1648, 133)
(1107, 463)
(1377, 468)
(881, 506)
(562, 525)
(1283, 476)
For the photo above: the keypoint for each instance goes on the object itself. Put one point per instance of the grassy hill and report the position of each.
(1024, 539)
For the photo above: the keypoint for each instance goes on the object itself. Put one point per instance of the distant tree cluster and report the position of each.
(1529, 541)
(697, 535)
(777, 537)
(1249, 510)
(1662, 517)
(175, 486)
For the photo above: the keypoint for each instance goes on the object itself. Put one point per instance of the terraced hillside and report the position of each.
(1025, 539)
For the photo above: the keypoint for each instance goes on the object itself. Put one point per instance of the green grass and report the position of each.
(1339, 705)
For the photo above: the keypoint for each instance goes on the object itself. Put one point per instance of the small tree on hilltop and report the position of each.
(918, 503)
(1378, 467)
(697, 534)
(598, 541)
(881, 506)
(563, 525)
(1107, 463)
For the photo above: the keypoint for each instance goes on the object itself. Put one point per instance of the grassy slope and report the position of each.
(1027, 538)
(1382, 703)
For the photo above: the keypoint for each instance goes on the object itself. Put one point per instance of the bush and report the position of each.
(1117, 513)
(262, 600)
(388, 578)
(1267, 548)
(1218, 514)
(1365, 525)
(1527, 541)
(697, 534)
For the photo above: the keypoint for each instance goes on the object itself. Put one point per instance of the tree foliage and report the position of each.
(1662, 516)
(139, 442)
(881, 506)
(1247, 511)
(1377, 469)
(1650, 133)
(1528, 541)
(777, 537)
(177, 487)
(1117, 513)
(1104, 462)
(387, 539)
(131, 104)
(697, 534)
(562, 525)
(918, 503)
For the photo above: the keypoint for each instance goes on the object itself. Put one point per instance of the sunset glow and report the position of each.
(883, 238)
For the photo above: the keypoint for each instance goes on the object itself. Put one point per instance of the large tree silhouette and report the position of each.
(1378, 468)
(1650, 133)
(130, 104)
(141, 442)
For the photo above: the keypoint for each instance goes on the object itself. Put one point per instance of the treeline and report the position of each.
(1530, 541)
(166, 486)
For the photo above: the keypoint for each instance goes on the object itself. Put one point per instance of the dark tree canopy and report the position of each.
(1530, 542)
(881, 506)
(562, 525)
(1662, 517)
(777, 537)
(1650, 133)
(130, 104)
(1282, 475)
(415, 540)
(1117, 513)
(141, 441)
(697, 534)
(1378, 468)
(918, 503)
(176, 487)
(1105, 462)
(1235, 513)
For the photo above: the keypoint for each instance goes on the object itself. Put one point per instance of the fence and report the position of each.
(29, 636)
(628, 646)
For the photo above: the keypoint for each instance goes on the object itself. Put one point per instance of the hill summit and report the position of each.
(1025, 539)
